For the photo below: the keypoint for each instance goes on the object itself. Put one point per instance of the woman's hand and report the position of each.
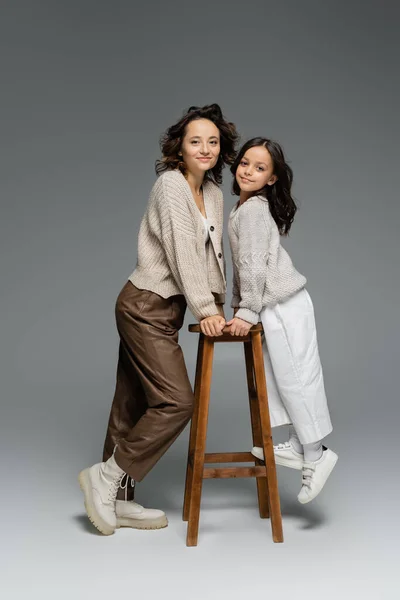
(239, 327)
(212, 326)
(220, 308)
(235, 310)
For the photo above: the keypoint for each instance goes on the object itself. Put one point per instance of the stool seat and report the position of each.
(226, 335)
(263, 471)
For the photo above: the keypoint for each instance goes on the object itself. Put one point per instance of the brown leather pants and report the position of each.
(153, 399)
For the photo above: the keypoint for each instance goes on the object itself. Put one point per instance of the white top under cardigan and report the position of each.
(206, 229)
(263, 273)
(172, 255)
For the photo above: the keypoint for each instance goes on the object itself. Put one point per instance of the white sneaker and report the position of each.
(285, 455)
(99, 485)
(315, 475)
(131, 514)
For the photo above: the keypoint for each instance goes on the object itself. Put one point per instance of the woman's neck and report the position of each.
(195, 181)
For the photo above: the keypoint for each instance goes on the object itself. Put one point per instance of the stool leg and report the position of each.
(262, 483)
(274, 502)
(200, 441)
(193, 430)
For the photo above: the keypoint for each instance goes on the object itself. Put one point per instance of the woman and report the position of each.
(180, 263)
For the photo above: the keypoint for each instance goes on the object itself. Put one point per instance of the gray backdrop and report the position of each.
(87, 89)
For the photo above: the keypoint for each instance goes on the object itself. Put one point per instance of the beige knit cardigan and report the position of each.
(172, 255)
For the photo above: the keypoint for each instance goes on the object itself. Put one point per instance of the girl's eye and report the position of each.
(260, 168)
(243, 163)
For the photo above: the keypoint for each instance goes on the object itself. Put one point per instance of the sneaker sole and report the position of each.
(332, 466)
(281, 461)
(160, 523)
(94, 517)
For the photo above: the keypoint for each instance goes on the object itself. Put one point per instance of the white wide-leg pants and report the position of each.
(293, 370)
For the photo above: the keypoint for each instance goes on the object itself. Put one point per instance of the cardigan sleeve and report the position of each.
(254, 237)
(235, 289)
(180, 245)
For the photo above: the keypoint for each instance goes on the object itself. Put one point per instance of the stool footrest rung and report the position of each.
(229, 472)
(229, 457)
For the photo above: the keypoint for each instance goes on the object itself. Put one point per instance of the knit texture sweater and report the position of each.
(173, 257)
(263, 273)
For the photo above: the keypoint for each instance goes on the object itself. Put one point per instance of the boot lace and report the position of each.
(125, 484)
(113, 489)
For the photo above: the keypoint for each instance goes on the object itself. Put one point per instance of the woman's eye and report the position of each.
(195, 142)
(214, 142)
(243, 163)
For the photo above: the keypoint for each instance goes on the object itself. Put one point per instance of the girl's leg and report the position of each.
(278, 413)
(288, 454)
(291, 338)
(290, 335)
(295, 441)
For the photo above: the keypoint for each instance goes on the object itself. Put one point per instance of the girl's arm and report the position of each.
(254, 237)
(235, 303)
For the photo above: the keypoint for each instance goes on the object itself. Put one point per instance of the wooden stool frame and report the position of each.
(265, 472)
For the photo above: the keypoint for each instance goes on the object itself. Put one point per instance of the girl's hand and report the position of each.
(212, 326)
(239, 327)
(235, 310)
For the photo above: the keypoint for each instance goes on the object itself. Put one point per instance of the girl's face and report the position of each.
(200, 146)
(255, 170)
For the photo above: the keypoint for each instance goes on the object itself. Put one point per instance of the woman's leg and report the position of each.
(148, 326)
(129, 405)
(151, 356)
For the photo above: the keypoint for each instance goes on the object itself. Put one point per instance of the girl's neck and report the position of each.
(195, 181)
(244, 196)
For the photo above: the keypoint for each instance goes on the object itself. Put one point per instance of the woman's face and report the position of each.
(200, 146)
(255, 170)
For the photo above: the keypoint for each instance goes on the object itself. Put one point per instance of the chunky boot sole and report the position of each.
(159, 523)
(95, 518)
(258, 453)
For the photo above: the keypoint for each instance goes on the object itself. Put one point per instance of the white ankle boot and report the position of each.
(131, 514)
(285, 455)
(100, 484)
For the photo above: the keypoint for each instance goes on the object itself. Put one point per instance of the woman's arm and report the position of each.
(180, 244)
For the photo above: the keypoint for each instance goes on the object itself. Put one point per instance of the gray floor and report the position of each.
(344, 544)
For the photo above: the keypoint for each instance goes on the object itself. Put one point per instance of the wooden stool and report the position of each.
(267, 485)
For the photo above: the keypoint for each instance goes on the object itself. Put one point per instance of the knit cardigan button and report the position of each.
(219, 255)
(212, 228)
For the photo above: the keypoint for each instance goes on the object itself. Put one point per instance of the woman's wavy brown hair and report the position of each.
(171, 141)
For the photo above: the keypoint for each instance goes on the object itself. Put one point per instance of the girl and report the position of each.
(267, 287)
(180, 262)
